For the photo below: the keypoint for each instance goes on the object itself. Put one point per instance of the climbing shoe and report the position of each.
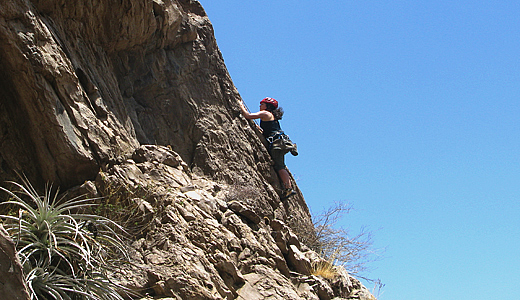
(288, 193)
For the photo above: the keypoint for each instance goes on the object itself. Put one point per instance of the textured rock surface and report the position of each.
(11, 279)
(86, 88)
(206, 240)
(94, 80)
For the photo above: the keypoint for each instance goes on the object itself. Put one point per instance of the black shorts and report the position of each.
(278, 158)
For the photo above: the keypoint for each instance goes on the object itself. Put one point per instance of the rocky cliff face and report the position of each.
(111, 95)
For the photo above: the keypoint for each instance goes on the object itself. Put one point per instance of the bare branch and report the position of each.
(337, 244)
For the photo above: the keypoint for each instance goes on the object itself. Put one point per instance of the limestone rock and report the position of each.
(298, 261)
(96, 82)
(131, 102)
(244, 211)
(158, 154)
(190, 252)
(11, 277)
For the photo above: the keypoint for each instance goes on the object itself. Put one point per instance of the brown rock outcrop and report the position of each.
(86, 88)
(11, 278)
(205, 240)
(94, 80)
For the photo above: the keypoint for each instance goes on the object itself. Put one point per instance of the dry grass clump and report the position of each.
(324, 269)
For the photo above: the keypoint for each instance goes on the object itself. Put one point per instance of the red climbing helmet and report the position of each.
(270, 101)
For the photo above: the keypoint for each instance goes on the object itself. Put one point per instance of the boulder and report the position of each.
(12, 282)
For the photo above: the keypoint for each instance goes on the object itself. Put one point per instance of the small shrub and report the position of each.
(337, 245)
(64, 253)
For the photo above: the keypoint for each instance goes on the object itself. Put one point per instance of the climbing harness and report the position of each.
(281, 142)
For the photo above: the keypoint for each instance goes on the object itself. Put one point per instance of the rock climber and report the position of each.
(269, 116)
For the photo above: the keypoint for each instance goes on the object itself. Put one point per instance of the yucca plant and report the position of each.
(64, 252)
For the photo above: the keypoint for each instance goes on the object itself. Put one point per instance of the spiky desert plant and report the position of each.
(64, 253)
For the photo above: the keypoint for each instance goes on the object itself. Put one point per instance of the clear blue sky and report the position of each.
(410, 111)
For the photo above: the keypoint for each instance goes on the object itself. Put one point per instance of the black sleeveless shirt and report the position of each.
(270, 127)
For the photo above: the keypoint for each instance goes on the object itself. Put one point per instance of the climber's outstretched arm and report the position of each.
(263, 114)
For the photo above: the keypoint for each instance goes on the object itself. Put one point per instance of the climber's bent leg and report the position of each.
(279, 166)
